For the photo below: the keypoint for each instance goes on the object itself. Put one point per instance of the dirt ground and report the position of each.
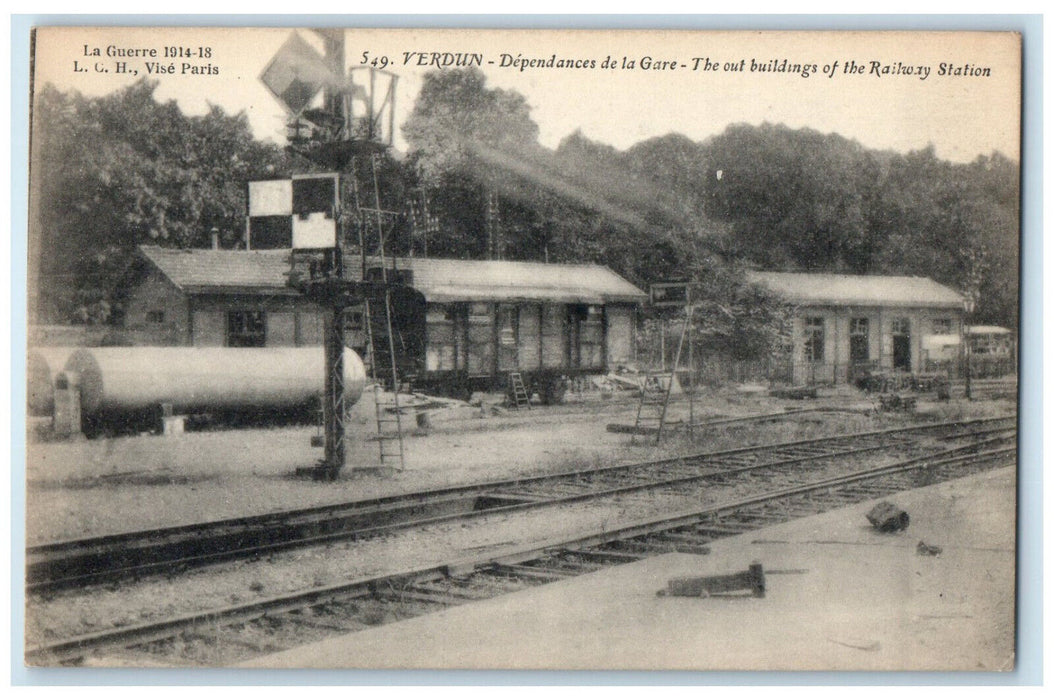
(839, 596)
(93, 487)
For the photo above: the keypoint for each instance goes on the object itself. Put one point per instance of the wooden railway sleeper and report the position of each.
(717, 531)
(603, 555)
(643, 547)
(561, 560)
(417, 596)
(666, 543)
(533, 572)
(764, 518)
(452, 591)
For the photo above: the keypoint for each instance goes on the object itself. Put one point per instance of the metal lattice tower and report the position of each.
(356, 118)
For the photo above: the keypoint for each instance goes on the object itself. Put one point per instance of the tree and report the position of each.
(463, 139)
(455, 113)
(113, 172)
(795, 198)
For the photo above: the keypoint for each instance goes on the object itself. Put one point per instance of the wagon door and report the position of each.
(480, 339)
(529, 330)
(619, 336)
(554, 336)
(507, 338)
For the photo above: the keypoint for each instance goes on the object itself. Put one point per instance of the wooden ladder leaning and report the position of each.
(518, 391)
(654, 402)
(388, 413)
(655, 396)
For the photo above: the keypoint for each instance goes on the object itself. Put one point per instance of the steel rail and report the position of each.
(77, 647)
(107, 558)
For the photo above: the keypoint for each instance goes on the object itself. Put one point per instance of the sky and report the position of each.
(884, 90)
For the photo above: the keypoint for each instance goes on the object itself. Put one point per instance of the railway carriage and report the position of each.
(466, 325)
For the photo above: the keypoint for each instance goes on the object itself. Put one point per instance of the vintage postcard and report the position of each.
(523, 349)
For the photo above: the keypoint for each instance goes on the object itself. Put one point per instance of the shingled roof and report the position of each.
(817, 289)
(207, 271)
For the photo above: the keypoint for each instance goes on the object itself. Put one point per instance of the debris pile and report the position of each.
(886, 517)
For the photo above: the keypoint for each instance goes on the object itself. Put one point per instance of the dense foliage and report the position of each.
(110, 173)
(120, 170)
(764, 196)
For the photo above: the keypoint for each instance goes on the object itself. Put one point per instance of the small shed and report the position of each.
(846, 325)
(991, 340)
(215, 298)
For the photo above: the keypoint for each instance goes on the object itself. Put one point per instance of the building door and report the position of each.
(813, 349)
(859, 347)
(902, 344)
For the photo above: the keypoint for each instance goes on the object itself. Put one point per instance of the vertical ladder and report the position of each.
(388, 413)
(518, 391)
(655, 395)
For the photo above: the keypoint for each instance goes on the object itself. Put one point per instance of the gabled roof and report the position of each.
(815, 289)
(207, 271)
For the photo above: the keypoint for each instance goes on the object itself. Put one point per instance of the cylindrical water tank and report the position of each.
(201, 379)
(42, 366)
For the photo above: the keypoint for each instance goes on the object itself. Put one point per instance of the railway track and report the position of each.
(74, 563)
(227, 635)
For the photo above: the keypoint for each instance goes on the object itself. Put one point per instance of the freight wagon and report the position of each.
(462, 326)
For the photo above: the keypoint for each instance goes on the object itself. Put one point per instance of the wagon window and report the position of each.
(394, 276)
(442, 345)
(591, 337)
(246, 329)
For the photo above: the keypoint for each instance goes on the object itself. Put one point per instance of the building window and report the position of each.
(246, 329)
(156, 317)
(942, 326)
(814, 331)
(591, 338)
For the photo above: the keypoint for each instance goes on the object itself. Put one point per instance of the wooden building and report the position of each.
(846, 325)
(461, 325)
(209, 298)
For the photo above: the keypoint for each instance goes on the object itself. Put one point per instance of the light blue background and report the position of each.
(1030, 485)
